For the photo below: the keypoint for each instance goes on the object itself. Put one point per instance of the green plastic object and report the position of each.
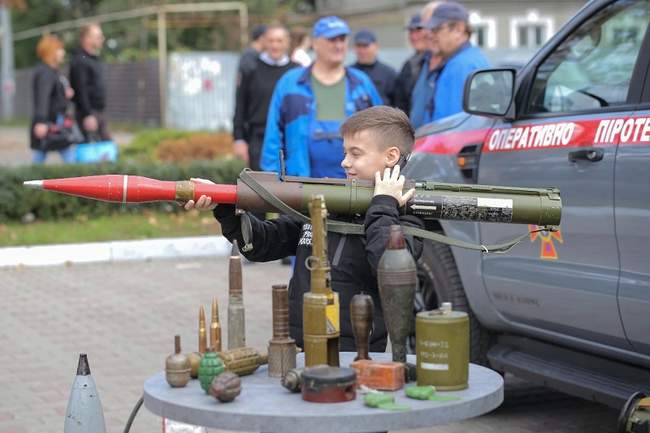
(210, 367)
(420, 392)
(428, 393)
(380, 400)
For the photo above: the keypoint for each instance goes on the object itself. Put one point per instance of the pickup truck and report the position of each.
(567, 309)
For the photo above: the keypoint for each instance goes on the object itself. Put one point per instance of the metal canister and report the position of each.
(442, 348)
(328, 384)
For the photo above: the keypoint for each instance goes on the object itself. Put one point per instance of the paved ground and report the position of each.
(124, 316)
(14, 146)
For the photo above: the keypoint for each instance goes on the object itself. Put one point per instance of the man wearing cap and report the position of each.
(450, 32)
(382, 75)
(309, 104)
(249, 57)
(411, 69)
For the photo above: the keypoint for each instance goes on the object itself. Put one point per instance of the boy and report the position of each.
(375, 141)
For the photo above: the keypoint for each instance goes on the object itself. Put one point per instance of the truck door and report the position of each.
(576, 98)
(632, 216)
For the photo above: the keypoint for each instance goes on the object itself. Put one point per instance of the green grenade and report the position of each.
(210, 367)
(442, 348)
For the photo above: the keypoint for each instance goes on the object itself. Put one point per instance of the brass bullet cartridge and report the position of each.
(203, 342)
(215, 326)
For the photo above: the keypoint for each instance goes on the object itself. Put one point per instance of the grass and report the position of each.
(19, 122)
(148, 225)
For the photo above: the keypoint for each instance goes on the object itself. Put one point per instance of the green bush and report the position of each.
(144, 144)
(16, 201)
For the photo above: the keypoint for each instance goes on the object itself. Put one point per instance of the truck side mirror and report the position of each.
(490, 92)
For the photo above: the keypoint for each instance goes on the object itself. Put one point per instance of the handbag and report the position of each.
(61, 135)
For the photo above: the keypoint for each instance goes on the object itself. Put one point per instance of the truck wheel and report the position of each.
(439, 281)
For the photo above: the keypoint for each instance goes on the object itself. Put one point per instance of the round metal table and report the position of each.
(265, 406)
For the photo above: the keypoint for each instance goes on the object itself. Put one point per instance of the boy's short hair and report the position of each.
(390, 126)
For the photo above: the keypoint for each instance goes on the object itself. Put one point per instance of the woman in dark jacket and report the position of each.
(51, 93)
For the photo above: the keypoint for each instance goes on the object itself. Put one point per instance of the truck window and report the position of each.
(592, 68)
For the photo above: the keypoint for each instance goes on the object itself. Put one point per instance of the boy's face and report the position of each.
(364, 157)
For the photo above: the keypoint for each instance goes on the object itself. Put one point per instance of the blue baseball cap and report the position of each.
(365, 37)
(415, 23)
(330, 27)
(445, 12)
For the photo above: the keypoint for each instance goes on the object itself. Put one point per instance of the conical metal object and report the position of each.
(84, 413)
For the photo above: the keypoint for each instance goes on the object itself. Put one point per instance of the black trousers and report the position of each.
(255, 141)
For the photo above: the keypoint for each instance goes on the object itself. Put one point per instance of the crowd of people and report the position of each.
(56, 126)
(290, 105)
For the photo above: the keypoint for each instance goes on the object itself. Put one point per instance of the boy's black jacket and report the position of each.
(353, 259)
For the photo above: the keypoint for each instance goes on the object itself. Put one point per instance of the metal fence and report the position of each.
(201, 91)
(132, 92)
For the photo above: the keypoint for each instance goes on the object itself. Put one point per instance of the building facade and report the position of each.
(509, 31)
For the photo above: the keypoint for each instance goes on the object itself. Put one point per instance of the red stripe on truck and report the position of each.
(449, 143)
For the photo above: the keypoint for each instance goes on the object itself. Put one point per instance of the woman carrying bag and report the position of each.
(51, 129)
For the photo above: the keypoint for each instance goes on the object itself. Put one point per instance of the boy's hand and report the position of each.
(392, 184)
(204, 202)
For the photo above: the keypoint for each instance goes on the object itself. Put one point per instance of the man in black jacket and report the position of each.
(382, 75)
(258, 44)
(87, 80)
(410, 71)
(255, 86)
(376, 141)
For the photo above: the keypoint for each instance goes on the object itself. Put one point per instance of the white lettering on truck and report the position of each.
(526, 137)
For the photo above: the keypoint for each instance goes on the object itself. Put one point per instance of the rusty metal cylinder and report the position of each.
(328, 384)
(397, 278)
(280, 303)
(282, 348)
(442, 348)
(361, 315)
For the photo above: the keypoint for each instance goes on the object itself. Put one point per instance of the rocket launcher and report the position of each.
(260, 192)
(267, 192)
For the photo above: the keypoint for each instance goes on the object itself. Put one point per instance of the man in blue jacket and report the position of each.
(309, 105)
(450, 31)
